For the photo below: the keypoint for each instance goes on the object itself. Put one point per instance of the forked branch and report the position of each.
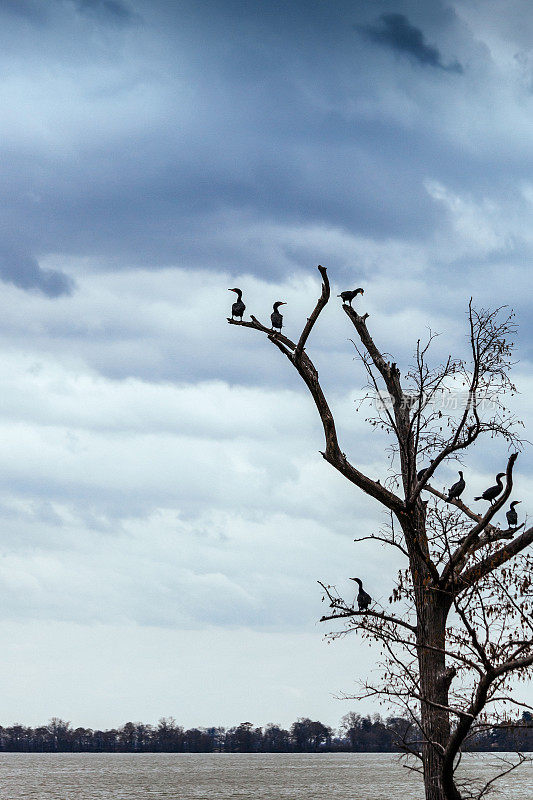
(308, 372)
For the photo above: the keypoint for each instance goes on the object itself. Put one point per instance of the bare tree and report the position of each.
(459, 629)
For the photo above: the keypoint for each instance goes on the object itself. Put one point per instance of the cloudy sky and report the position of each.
(164, 511)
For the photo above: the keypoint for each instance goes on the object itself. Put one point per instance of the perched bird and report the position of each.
(363, 598)
(493, 491)
(276, 317)
(238, 307)
(457, 489)
(349, 295)
(512, 516)
(421, 473)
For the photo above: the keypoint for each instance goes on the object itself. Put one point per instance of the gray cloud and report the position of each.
(157, 147)
(22, 270)
(396, 32)
(144, 154)
(29, 10)
(112, 10)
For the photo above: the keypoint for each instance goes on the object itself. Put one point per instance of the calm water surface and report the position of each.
(204, 776)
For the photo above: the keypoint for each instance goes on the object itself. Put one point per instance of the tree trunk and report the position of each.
(433, 607)
(434, 685)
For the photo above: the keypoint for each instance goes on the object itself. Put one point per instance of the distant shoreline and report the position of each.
(356, 734)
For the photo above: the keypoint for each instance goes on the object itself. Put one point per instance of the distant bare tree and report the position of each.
(462, 629)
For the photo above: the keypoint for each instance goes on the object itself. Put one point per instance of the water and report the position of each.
(205, 776)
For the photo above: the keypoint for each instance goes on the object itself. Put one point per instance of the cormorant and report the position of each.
(457, 489)
(238, 307)
(276, 317)
(349, 295)
(421, 473)
(363, 598)
(493, 491)
(512, 516)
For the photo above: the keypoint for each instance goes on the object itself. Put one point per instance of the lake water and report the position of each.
(205, 776)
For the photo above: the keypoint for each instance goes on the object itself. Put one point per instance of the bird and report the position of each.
(457, 489)
(421, 473)
(493, 491)
(238, 307)
(276, 317)
(512, 516)
(363, 598)
(349, 295)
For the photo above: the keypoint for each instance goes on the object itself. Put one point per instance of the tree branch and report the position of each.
(489, 564)
(369, 613)
(388, 371)
(306, 369)
(509, 533)
(384, 540)
(472, 538)
(351, 612)
(323, 299)
(457, 503)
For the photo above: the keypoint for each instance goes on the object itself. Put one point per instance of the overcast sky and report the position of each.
(165, 513)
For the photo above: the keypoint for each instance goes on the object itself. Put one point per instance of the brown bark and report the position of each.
(432, 608)
(434, 685)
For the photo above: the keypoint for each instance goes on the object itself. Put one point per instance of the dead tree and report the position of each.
(461, 627)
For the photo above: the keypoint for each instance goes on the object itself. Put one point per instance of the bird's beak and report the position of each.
(283, 304)
(231, 290)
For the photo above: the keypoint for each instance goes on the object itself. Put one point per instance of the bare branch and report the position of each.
(487, 565)
(457, 503)
(306, 369)
(462, 551)
(388, 371)
(348, 611)
(384, 540)
(323, 299)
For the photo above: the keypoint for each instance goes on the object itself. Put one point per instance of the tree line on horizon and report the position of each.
(369, 734)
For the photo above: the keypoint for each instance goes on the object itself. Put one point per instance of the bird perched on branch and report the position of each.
(493, 491)
(363, 598)
(512, 516)
(349, 295)
(421, 473)
(238, 307)
(276, 318)
(455, 492)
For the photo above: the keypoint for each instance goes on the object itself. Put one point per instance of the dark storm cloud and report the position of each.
(145, 145)
(239, 111)
(396, 31)
(24, 271)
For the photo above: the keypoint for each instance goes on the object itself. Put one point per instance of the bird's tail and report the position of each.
(478, 498)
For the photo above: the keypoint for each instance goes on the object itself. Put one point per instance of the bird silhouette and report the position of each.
(457, 489)
(512, 516)
(276, 318)
(493, 491)
(238, 307)
(363, 598)
(349, 295)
